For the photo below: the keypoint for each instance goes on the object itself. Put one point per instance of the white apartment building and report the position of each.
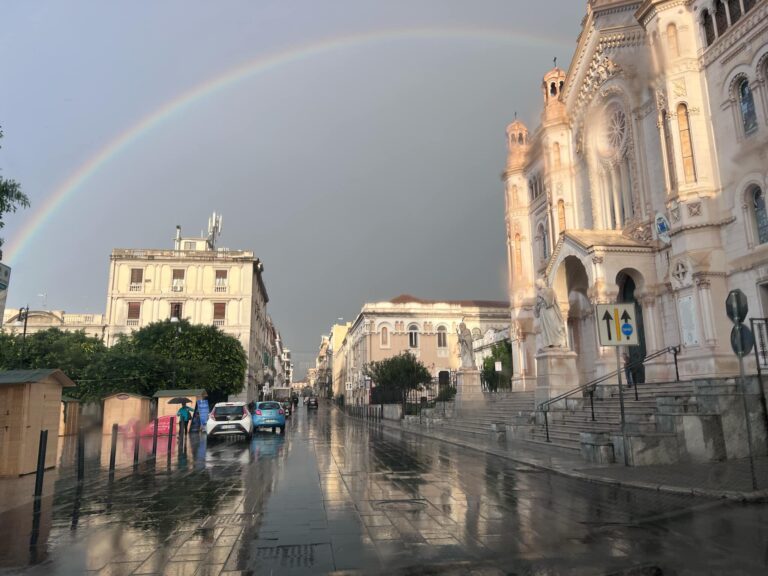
(197, 282)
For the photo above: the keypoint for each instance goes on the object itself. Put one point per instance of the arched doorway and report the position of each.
(626, 281)
(572, 281)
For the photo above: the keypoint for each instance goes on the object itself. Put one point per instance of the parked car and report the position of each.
(312, 403)
(288, 407)
(228, 418)
(269, 414)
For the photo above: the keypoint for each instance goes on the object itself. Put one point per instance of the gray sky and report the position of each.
(356, 173)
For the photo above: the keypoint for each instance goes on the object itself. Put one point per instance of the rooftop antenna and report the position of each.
(43, 300)
(555, 61)
(214, 230)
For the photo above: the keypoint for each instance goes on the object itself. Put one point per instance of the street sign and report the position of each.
(617, 324)
(736, 306)
(742, 340)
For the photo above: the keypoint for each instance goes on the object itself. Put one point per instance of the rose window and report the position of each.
(613, 132)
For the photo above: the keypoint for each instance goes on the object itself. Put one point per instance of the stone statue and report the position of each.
(551, 328)
(466, 350)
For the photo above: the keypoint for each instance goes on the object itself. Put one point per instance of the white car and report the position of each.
(229, 418)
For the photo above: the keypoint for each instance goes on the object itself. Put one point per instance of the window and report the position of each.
(176, 310)
(747, 108)
(134, 313)
(189, 245)
(721, 20)
(674, 48)
(384, 337)
(518, 255)
(734, 9)
(669, 149)
(748, 5)
(686, 143)
(709, 27)
(221, 281)
(761, 217)
(543, 242)
(219, 313)
(137, 279)
(178, 280)
(413, 336)
(442, 337)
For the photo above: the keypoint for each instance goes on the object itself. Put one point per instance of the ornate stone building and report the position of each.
(645, 182)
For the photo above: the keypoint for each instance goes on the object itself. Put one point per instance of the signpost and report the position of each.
(742, 342)
(617, 326)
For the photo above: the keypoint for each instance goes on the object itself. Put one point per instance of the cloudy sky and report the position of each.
(354, 145)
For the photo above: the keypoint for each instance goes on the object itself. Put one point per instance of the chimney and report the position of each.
(177, 241)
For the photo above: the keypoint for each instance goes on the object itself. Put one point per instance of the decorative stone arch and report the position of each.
(733, 79)
(381, 326)
(631, 285)
(748, 214)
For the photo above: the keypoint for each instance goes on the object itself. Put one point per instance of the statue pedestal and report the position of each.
(555, 373)
(468, 389)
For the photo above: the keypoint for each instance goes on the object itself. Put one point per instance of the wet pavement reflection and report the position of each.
(338, 495)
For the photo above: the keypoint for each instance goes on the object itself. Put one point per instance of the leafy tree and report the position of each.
(500, 352)
(123, 369)
(190, 356)
(70, 352)
(11, 197)
(398, 375)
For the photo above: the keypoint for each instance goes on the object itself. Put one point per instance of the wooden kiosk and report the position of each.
(128, 411)
(165, 409)
(30, 401)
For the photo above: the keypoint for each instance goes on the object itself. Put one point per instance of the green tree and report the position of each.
(398, 375)
(11, 197)
(500, 352)
(190, 356)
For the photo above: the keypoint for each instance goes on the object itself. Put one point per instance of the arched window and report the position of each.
(561, 215)
(544, 242)
(686, 143)
(734, 9)
(562, 83)
(413, 336)
(442, 337)
(709, 27)
(674, 49)
(557, 161)
(747, 107)
(721, 19)
(518, 255)
(761, 217)
(384, 337)
(669, 149)
(520, 138)
(553, 89)
(748, 5)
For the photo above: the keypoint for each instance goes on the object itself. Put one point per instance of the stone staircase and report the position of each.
(477, 419)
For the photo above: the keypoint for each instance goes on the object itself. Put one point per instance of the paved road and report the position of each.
(334, 495)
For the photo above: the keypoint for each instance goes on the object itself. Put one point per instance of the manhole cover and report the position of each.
(409, 505)
(228, 520)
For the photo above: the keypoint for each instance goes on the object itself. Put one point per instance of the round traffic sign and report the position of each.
(736, 306)
(742, 340)
(626, 329)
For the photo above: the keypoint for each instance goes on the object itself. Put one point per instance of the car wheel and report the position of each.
(282, 430)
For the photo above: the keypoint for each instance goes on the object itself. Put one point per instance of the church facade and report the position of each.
(645, 182)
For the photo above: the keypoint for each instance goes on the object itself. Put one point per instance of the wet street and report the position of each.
(335, 495)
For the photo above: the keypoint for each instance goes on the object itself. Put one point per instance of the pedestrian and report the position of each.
(184, 415)
(628, 371)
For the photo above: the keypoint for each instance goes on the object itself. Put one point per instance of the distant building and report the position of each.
(38, 320)
(483, 347)
(197, 282)
(428, 329)
(337, 358)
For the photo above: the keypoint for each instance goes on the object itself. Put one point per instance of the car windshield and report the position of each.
(228, 410)
(269, 406)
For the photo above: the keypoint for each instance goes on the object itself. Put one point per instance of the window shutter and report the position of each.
(134, 310)
(137, 275)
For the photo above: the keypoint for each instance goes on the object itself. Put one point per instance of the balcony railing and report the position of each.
(221, 287)
(133, 322)
(135, 287)
(218, 322)
(177, 286)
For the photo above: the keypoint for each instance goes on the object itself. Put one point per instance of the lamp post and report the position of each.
(22, 318)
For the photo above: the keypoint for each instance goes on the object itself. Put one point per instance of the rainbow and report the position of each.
(174, 107)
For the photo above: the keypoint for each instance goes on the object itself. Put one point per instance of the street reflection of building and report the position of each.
(645, 182)
(200, 283)
(428, 329)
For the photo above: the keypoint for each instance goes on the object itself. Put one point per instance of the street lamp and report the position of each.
(23, 317)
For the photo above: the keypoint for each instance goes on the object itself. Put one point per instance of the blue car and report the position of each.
(269, 415)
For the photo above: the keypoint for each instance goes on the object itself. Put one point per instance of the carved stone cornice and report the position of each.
(650, 8)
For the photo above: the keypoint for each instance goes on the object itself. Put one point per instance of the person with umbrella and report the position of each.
(184, 414)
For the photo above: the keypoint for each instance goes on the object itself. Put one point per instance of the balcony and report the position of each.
(133, 322)
(136, 288)
(221, 287)
(218, 322)
(177, 286)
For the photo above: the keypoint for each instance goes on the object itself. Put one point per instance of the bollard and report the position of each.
(41, 463)
(113, 452)
(154, 440)
(136, 442)
(80, 454)
(171, 430)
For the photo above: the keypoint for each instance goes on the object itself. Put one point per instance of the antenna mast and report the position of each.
(214, 230)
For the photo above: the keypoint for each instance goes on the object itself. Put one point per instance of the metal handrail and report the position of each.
(591, 386)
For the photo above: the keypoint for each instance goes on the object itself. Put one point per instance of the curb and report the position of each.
(733, 495)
